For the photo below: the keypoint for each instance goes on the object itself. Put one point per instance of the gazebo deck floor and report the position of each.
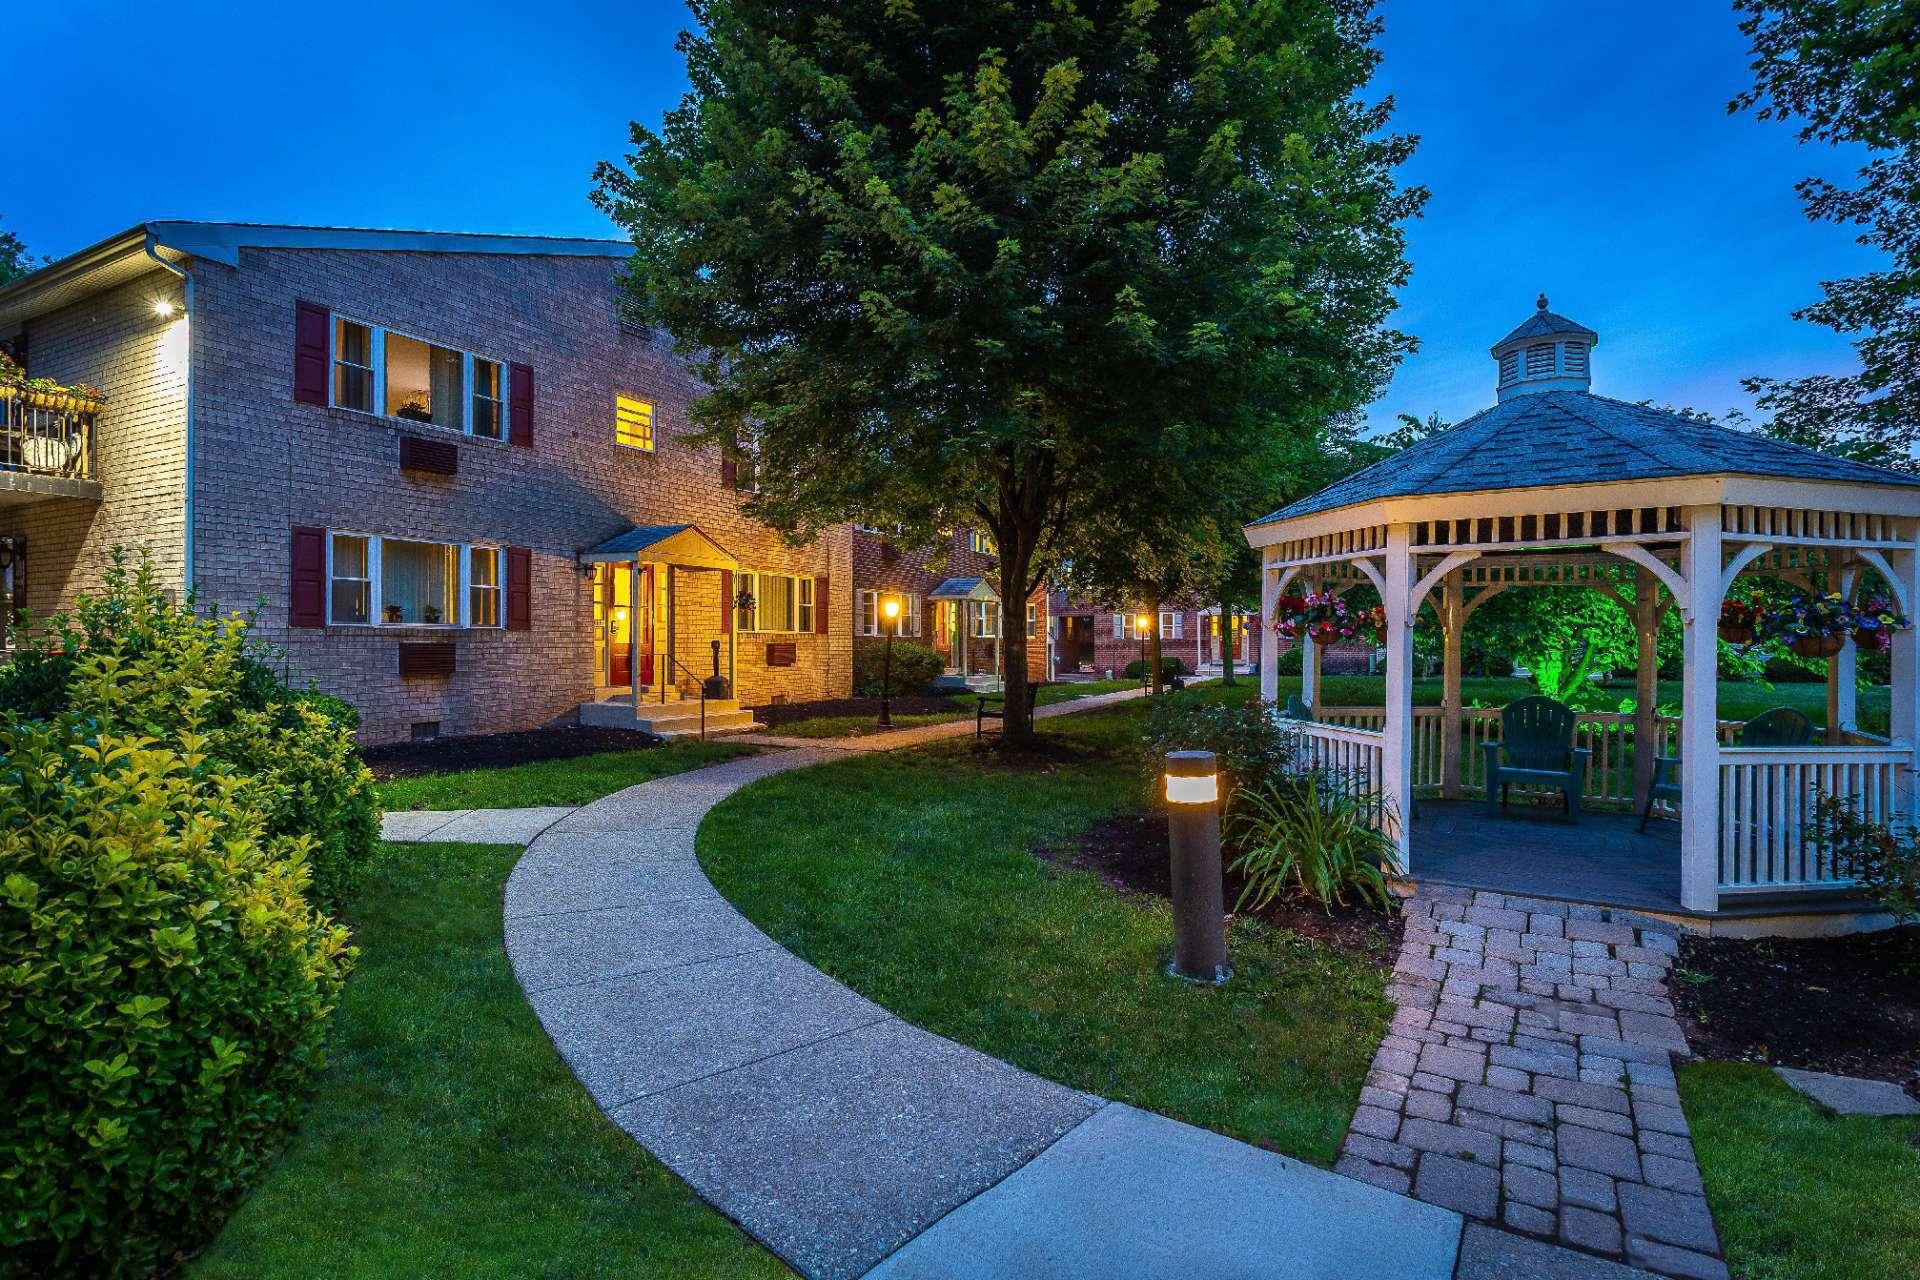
(1535, 851)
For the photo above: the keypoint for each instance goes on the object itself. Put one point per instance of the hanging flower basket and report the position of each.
(1812, 626)
(1817, 646)
(1739, 622)
(1874, 625)
(1320, 615)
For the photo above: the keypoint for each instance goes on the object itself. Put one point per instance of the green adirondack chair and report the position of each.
(1780, 727)
(1296, 709)
(1537, 746)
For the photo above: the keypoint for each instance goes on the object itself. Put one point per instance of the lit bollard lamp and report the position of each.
(1199, 896)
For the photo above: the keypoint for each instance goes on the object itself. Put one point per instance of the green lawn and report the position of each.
(861, 725)
(552, 782)
(1738, 699)
(447, 1138)
(1801, 1194)
(907, 875)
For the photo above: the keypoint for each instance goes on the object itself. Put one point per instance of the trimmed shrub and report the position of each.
(132, 662)
(1293, 662)
(164, 985)
(1250, 745)
(1170, 667)
(915, 668)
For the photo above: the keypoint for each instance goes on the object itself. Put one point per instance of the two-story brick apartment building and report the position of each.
(1096, 638)
(452, 479)
(949, 597)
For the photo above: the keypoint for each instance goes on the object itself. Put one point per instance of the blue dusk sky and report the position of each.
(1587, 153)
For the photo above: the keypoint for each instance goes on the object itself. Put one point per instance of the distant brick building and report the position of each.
(1098, 638)
(455, 483)
(949, 599)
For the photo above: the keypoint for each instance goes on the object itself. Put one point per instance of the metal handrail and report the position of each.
(673, 661)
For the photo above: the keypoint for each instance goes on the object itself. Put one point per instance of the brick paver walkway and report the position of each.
(1528, 1080)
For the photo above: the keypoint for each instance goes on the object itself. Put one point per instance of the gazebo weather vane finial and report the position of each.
(1541, 303)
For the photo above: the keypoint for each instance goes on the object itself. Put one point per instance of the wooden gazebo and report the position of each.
(1555, 486)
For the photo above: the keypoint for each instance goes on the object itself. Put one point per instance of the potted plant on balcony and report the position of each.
(1875, 622)
(1740, 621)
(1813, 626)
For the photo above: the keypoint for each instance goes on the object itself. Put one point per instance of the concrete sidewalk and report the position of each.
(896, 739)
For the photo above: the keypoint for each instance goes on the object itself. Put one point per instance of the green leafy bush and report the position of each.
(915, 668)
(1883, 858)
(132, 662)
(1170, 667)
(1312, 832)
(1292, 662)
(1250, 744)
(164, 985)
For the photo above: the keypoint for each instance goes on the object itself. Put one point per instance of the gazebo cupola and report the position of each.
(1547, 352)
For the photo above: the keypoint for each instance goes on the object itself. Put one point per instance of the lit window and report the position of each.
(424, 382)
(775, 602)
(352, 365)
(980, 543)
(985, 619)
(483, 587)
(1033, 620)
(489, 398)
(633, 422)
(1173, 624)
(415, 583)
(350, 597)
(870, 623)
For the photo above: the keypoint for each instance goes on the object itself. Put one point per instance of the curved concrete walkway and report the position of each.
(852, 1143)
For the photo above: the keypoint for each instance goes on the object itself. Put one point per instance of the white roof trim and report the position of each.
(222, 241)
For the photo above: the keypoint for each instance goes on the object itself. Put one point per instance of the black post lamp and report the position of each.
(890, 614)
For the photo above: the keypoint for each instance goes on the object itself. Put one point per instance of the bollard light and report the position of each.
(1199, 894)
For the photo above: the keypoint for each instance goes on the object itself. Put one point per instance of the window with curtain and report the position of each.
(781, 602)
(350, 594)
(419, 582)
(352, 365)
(376, 370)
(483, 587)
(489, 399)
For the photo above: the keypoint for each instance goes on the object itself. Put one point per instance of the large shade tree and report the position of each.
(988, 262)
(1848, 72)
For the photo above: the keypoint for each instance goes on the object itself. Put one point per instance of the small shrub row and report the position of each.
(913, 670)
(1170, 667)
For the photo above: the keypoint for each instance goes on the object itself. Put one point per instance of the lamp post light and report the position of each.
(1143, 627)
(890, 611)
(1199, 896)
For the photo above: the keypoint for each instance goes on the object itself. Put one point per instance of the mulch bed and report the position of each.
(1130, 853)
(1848, 1005)
(494, 750)
(917, 704)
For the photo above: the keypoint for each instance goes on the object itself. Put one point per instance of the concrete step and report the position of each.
(671, 719)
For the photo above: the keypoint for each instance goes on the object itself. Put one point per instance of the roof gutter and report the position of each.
(186, 290)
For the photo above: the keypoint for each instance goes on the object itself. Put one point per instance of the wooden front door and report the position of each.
(615, 615)
(643, 618)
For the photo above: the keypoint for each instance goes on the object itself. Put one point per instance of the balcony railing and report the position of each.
(47, 434)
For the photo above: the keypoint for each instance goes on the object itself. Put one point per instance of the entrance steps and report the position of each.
(677, 717)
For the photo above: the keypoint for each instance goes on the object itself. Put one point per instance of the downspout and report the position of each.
(186, 292)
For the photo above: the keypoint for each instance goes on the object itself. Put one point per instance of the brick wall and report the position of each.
(266, 464)
(1191, 646)
(115, 341)
(880, 564)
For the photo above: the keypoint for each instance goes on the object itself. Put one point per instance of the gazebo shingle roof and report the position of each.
(1543, 322)
(1574, 437)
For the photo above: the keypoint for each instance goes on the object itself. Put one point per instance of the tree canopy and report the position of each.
(15, 261)
(1848, 71)
(1049, 269)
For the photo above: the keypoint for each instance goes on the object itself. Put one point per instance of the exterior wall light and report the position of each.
(164, 309)
(1199, 895)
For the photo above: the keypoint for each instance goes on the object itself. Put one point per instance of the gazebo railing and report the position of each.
(1767, 798)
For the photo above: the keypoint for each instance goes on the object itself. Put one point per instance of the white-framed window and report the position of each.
(775, 602)
(867, 619)
(1033, 620)
(633, 422)
(981, 543)
(1119, 626)
(395, 375)
(374, 580)
(983, 619)
(1173, 624)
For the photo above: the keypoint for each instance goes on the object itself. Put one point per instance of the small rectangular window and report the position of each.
(350, 596)
(802, 603)
(1173, 624)
(1119, 626)
(1033, 621)
(869, 615)
(633, 422)
(483, 587)
(352, 365)
(419, 582)
(423, 382)
(777, 602)
(980, 543)
(489, 399)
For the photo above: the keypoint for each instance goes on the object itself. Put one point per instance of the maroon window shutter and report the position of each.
(520, 406)
(310, 340)
(307, 599)
(726, 600)
(519, 589)
(19, 583)
(820, 604)
(729, 473)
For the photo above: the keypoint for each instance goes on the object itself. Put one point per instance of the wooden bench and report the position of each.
(993, 706)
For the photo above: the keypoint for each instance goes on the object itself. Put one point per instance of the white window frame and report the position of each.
(1033, 620)
(867, 612)
(463, 595)
(983, 619)
(1173, 624)
(377, 352)
(803, 604)
(981, 543)
(1121, 626)
(653, 423)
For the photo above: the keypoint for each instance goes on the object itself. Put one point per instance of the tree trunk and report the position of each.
(1016, 557)
(1226, 642)
(1153, 651)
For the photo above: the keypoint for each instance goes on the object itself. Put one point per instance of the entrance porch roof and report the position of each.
(681, 544)
(964, 589)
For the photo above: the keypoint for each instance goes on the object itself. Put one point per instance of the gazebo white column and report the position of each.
(1269, 635)
(1700, 716)
(1453, 626)
(1646, 682)
(1842, 671)
(1396, 746)
(1904, 722)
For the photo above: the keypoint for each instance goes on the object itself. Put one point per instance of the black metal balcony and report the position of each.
(47, 444)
